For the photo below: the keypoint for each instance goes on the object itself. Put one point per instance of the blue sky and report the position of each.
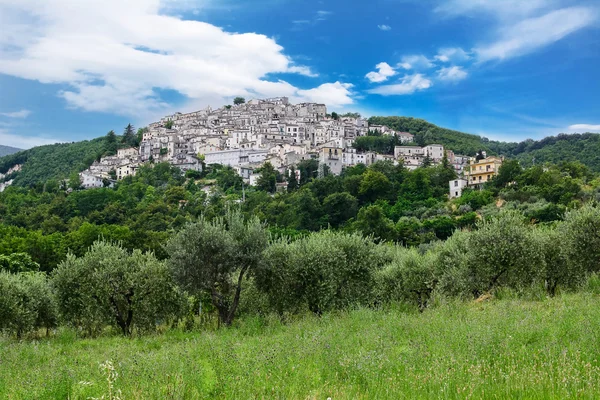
(504, 69)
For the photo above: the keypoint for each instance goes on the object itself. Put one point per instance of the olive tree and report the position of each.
(213, 258)
(581, 233)
(109, 285)
(410, 277)
(26, 303)
(561, 270)
(501, 252)
(323, 271)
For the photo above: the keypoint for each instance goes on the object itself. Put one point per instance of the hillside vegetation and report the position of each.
(584, 148)
(53, 162)
(546, 349)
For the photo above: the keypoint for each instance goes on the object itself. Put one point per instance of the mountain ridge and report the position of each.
(8, 150)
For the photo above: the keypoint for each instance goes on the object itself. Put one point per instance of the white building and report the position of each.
(456, 187)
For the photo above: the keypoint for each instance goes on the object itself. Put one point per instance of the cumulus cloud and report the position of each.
(452, 54)
(582, 128)
(416, 61)
(118, 56)
(332, 94)
(408, 85)
(384, 71)
(16, 114)
(384, 27)
(452, 74)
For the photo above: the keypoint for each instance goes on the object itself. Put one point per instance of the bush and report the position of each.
(109, 285)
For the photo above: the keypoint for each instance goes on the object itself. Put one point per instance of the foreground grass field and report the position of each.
(500, 349)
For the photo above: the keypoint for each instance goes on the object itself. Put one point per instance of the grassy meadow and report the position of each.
(502, 348)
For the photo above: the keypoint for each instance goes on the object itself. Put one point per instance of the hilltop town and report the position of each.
(245, 136)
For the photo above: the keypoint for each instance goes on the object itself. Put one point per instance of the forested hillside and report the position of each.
(6, 150)
(584, 148)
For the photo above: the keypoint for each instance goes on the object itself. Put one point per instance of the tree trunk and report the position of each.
(236, 298)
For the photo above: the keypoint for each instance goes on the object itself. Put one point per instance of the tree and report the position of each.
(292, 181)
(111, 143)
(239, 100)
(335, 116)
(26, 303)
(267, 180)
(109, 285)
(508, 172)
(18, 262)
(339, 208)
(374, 185)
(324, 271)
(129, 137)
(581, 233)
(74, 181)
(502, 252)
(213, 258)
(169, 124)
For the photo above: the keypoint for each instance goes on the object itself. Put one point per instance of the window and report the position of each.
(455, 183)
(456, 194)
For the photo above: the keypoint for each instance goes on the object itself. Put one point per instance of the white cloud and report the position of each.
(417, 61)
(498, 8)
(384, 27)
(533, 33)
(17, 114)
(332, 94)
(384, 71)
(23, 142)
(119, 56)
(452, 54)
(582, 128)
(408, 85)
(453, 73)
(519, 27)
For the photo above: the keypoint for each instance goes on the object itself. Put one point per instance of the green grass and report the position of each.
(513, 349)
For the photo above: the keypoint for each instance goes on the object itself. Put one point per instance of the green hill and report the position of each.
(6, 150)
(555, 149)
(56, 161)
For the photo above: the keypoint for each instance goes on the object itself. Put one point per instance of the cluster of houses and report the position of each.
(248, 135)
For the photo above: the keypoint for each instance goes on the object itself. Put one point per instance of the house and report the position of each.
(456, 188)
(482, 171)
(129, 152)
